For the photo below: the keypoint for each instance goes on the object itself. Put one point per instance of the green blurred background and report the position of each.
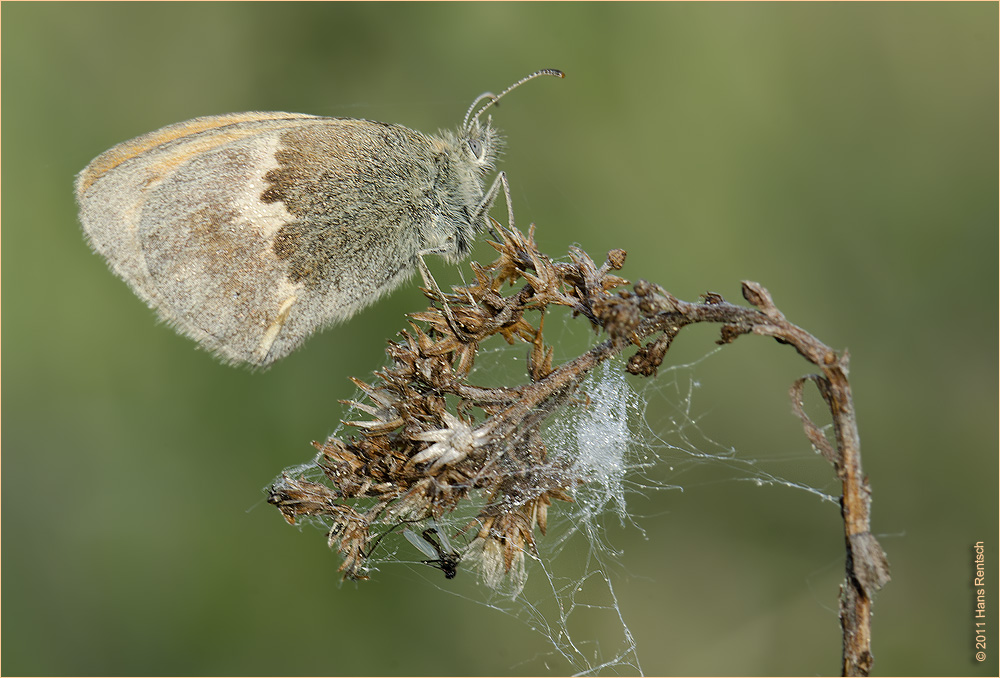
(844, 155)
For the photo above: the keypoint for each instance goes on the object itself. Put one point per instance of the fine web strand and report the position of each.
(566, 591)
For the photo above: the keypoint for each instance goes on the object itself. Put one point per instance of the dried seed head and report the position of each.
(436, 442)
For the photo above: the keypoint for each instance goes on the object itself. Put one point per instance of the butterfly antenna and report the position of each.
(494, 98)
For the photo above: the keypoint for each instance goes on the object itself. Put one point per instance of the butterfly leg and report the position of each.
(482, 211)
(431, 283)
(262, 353)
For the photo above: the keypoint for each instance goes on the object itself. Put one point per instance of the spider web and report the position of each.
(570, 594)
(566, 593)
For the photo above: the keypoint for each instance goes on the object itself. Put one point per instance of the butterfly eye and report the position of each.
(476, 146)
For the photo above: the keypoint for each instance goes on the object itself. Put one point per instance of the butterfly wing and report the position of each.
(247, 232)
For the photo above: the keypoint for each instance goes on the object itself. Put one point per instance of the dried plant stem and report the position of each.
(867, 569)
(418, 459)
